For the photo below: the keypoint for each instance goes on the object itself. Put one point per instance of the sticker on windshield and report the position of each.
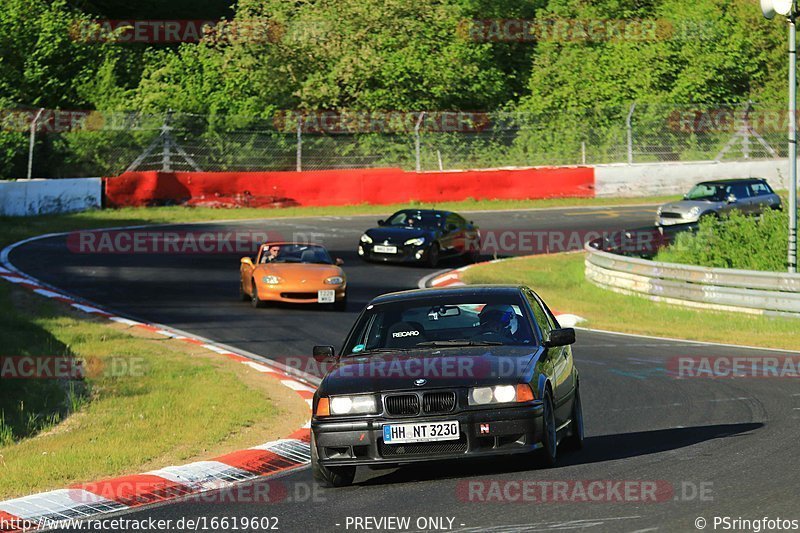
(358, 347)
(399, 334)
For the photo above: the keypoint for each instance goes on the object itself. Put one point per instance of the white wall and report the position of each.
(649, 179)
(39, 197)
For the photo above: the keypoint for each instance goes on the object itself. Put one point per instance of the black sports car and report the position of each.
(420, 235)
(446, 373)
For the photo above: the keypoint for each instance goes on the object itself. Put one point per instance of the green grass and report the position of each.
(13, 229)
(147, 402)
(559, 279)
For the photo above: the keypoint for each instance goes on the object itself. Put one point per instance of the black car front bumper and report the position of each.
(405, 253)
(484, 432)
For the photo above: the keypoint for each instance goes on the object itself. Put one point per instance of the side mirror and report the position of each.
(339, 261)
(381, 222)
(323, 354)
(561, 337)
(731, 199)
(247, 261)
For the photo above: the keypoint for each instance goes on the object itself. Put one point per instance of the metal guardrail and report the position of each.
(747, 291)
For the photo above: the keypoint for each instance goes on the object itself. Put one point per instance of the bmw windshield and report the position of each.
(441, 323)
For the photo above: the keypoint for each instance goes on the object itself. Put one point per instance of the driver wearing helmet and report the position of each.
(499, 320)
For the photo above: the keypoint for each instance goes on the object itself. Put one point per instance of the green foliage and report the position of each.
(736, 241)
(378, 55)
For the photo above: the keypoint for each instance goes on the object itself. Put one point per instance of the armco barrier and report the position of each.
(345, 187)
(747, 291)
(42, 197)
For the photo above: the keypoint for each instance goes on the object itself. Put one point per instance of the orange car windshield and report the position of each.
(296, 253)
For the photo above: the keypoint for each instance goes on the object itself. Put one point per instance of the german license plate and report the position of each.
(420, 432)
(380, 249)
(326, 297)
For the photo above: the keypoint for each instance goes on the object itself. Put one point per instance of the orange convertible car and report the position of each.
(295, 273)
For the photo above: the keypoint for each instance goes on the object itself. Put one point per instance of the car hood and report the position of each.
(297, 272)
(396, 235)
(440, 368)
(684, 206)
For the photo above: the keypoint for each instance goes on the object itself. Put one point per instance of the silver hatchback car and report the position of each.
(751, 196)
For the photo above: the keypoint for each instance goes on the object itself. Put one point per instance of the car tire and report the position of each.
(254, 299)
(576, 433)
(433, 255)
(549, 451)
(243, 296)
(330, 476)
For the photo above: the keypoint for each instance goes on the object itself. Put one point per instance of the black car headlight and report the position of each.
(419, 241)
(366, 239)
(500, 394)
(353, 405)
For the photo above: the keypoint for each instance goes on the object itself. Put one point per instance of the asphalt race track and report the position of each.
(724, 447)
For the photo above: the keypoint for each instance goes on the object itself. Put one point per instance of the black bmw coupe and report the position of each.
(437, 374)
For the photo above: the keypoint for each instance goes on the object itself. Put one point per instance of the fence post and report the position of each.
(417, 149)
(583, 152)
(299, 143)
(630, 133)
(32, 141)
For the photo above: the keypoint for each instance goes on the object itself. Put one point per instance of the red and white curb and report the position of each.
(452, 278)
(88, 500)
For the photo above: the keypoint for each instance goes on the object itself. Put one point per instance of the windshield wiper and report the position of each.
(379, 350)
(457, 342)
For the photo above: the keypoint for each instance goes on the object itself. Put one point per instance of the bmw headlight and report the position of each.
(353, 405)
(694, 212)
(659, 210)
(271, 280)
(500, 394)
(419, 241)
(366, 239)
(334, 280)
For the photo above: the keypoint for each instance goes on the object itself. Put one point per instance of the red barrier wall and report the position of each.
(344, 187)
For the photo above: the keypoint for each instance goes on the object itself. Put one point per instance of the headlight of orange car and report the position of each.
(334, 280)
(271, 280)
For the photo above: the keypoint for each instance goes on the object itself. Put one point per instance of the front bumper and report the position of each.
(485, 432)
(672, 221)
(405, 254)
(298, 295)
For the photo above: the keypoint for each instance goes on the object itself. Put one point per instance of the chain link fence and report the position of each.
(55, 144)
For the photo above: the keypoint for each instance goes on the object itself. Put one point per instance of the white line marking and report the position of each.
(125, 321)
(213, 348)
(48, 294)
(87, 308)
(296, 385)
(259, 367)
